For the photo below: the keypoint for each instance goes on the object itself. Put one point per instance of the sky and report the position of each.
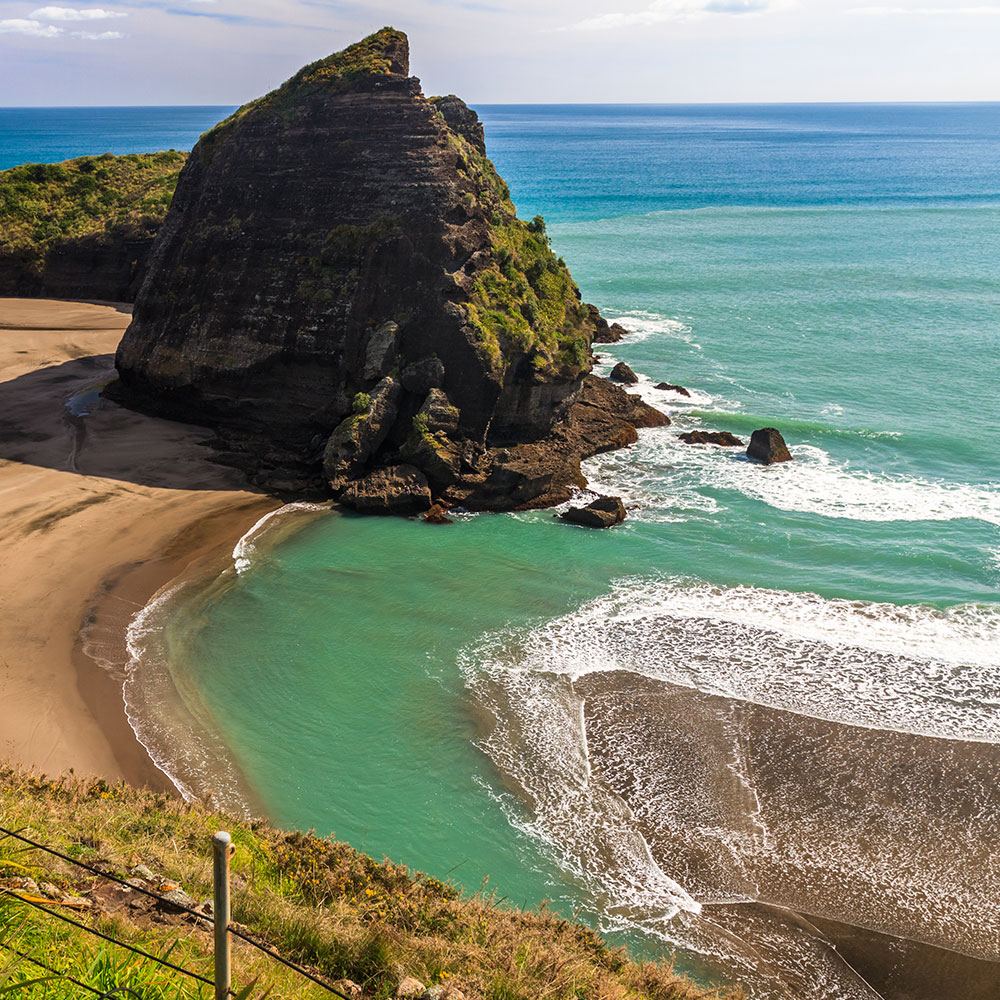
(140, 52)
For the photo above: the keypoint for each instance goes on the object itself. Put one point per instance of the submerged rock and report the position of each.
(436, 515)
(339, 252)
(767, 446)
(723, 438)
(622, 373)
(604, 512)
(670, 387)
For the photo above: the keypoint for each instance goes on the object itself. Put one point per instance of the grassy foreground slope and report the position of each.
(318, 902)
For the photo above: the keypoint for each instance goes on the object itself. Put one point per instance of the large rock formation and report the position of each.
(342, 285)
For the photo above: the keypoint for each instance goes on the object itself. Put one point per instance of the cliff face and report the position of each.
(83, 229)
(341, 284)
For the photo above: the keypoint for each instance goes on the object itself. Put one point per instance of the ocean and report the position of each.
(758, 722)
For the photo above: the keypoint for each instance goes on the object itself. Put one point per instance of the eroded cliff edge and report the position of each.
(342, 288)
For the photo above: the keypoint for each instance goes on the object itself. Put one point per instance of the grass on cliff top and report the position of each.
(318, 902)
(44, 203)
(373, 56)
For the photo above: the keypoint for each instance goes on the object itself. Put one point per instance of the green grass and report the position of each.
(319, 902)
(42, 204)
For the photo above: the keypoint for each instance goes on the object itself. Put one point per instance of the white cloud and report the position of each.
(34, 29)
(74, 14)
(660, 11)
(97, 36)
(887, 11)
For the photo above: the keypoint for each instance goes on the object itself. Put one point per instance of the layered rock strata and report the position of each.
(342, 288)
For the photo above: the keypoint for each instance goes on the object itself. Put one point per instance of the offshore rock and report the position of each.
(336, 252)
(767, 446)
(398, 489)
(670, 387)
(723, 438)
(622, 373)
(604, 512)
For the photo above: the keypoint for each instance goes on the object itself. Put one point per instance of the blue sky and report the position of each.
(494, 51)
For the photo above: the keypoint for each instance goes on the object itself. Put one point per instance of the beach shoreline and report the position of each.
(101, 509)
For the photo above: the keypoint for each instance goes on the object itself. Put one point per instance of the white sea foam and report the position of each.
(912, 669)
(539, 742)
(660, 466)
(907, 668)
(246, 547)
(642, 325)
(170, 720)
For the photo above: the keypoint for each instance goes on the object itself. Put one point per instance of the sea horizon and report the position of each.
(709, 656)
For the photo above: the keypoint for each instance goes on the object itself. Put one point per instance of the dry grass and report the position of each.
(319, 902)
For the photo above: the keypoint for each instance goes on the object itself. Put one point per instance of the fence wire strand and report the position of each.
(266, 949)
(110, 940)
(99, 873)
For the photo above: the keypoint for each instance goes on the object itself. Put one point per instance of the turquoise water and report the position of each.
(775, 685)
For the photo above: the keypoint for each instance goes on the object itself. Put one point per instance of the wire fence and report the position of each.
(171, 904)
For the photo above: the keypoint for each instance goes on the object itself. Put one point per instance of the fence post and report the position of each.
(221, 915)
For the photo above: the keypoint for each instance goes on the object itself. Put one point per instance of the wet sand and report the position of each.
(99, 508)
(836, 860)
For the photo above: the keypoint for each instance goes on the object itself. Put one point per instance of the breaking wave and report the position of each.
(904, 668)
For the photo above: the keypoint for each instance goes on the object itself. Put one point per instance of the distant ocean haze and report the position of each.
(775, 685)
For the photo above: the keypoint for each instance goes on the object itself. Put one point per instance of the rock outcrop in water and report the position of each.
(723, 438)
(767, 446)
(622, 373)
(670, 387)
(604, 512)
(342, 288)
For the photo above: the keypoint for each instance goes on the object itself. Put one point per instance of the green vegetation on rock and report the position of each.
(524, 299)
(318, 902)
(42, 204)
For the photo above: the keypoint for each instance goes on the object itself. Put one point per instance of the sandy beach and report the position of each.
(100, 507)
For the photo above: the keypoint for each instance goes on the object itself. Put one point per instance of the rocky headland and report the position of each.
(343, 291)
(83, 229)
